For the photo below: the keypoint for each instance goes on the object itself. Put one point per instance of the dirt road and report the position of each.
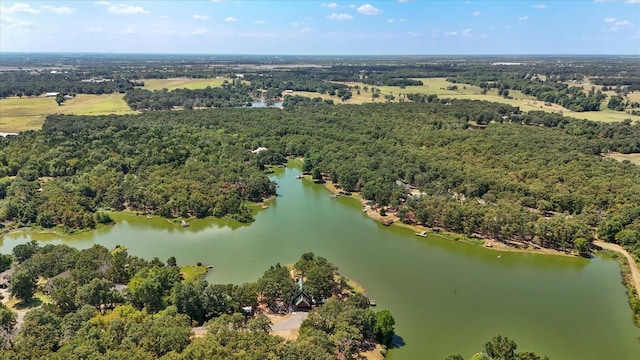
(635, 273)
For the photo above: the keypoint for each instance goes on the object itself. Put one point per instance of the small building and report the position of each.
(4, 277)
(49, 286)
(301, 300)
(51, 94)
(119, 287)
(259, 150)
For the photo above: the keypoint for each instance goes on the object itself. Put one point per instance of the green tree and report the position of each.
(383, 328)
(581, 245)
(22, 285)
(40, 333)
(276, 288)
(64, 294)
(171, 261)
(23, 252)
(501, 348)
(59, 99)
(5, 262)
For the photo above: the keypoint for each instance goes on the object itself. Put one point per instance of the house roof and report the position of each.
(7, 273)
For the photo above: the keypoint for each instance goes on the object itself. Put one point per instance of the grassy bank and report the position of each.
(632, 293)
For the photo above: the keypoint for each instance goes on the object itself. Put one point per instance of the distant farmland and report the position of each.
(19, 114)
(181, 83)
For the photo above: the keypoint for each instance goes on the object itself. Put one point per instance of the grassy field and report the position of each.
(181, 83)
(633, 158)
(193, 273)
(438, 86)
(29, 113)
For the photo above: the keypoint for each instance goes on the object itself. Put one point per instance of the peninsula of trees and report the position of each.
(108, 304)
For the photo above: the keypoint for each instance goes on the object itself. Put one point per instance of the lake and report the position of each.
(447, 297)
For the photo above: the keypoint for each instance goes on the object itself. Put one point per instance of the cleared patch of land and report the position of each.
(633, 158)
(20, 114)
(439, 87)
(193, 273)
(181, 83)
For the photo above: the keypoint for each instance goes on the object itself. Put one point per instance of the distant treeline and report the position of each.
(28, 84)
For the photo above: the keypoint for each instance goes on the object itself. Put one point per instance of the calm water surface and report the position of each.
(446, 297)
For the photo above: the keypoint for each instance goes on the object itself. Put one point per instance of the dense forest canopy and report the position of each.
(107, 304)
(535, 177)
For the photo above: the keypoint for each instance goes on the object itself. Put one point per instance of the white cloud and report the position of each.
(130, 31)
(9, 22)
(368, 9)
(405, 0)
(200, 17)
(466, 32)
(94, 29)
(200, 32)
(330, 5)
(450, 33)
(633, 1)
(394, 20)
(336, 16)
(306, 30)
(230, 19)
(611, 19)
(352, 6)
(18, 8)
(62, 10)
(122, 9)
(102, 3)
(623, 23)
(539, 6)
(523, 18)
(476, 13)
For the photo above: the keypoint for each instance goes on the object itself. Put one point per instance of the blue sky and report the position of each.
(323, 28)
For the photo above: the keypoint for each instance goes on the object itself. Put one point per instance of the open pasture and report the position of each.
(438, 86)
(181, 83)
(20, 114)
(633, 158)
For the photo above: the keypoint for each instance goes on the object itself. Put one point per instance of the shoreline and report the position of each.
(488, 243)
(628, 266)
(632, 275)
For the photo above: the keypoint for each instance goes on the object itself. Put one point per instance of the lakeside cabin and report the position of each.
(301, 301)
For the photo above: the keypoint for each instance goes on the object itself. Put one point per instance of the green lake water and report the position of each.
(447, 297)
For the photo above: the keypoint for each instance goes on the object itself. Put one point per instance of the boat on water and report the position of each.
(499, 256)
(184, 223)
(422, 233)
